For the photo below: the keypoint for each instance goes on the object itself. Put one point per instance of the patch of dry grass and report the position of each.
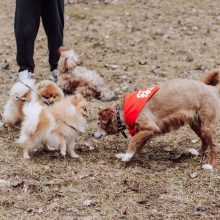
(150, 42)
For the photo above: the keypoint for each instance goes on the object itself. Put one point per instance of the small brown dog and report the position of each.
(73, 77)
(177, 102)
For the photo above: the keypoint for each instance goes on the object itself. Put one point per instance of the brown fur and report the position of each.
(178, 102)
(79, 86)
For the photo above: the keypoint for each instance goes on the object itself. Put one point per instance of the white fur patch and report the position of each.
(207, 166)
(193, 151)
(19, 89)
(125, 157)
(32, 112)
(88, 75)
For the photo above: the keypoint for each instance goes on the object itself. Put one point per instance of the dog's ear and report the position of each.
(62, 65)
(76, 99)
(62, 49)
(106, 116)
(79, 62)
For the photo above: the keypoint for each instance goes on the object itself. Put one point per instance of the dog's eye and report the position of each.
(44, 96)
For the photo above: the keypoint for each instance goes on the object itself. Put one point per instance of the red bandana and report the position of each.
(133, 104)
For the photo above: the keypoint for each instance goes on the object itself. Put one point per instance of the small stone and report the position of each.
(194, 141)
(193, 175)
(88, 202)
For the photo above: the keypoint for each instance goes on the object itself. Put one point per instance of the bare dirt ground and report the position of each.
(132, 44)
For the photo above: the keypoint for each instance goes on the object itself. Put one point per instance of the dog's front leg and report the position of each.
(71, 151)
(63, 147)
(136, 144)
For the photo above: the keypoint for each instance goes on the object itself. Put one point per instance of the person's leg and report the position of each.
(27, 20)
(53, 22)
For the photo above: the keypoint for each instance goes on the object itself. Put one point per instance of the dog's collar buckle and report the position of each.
(121, 127)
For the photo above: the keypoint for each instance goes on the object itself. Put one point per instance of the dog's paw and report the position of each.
(207, 167)
(74, 155)
(124, 157)
(63, 153)
(119, 156)
(193, 152)
(26, 157)
(48, 148)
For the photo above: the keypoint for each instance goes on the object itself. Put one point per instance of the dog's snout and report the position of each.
(97, 135)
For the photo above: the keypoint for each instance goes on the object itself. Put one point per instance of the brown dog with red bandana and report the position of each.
(176, 103)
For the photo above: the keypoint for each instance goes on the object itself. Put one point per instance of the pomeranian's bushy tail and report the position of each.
(31, 112)
(212, 78)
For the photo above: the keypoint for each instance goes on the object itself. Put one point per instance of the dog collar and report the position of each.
(121, 127)
(71, 126)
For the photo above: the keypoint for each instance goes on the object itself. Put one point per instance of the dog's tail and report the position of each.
(212, 78)
(31, 120)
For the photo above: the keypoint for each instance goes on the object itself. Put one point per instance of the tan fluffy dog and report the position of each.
(57, 126)
(73, 77)
(177, 102)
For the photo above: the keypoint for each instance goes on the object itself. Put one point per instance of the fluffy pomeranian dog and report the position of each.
(57, 126)
(177, 102)
(72, 77)
(45, 92)
(19, 94)
(48, 92)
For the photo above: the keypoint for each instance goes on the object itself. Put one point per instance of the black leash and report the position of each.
(12, 76)
(71, 126)
(121, 127)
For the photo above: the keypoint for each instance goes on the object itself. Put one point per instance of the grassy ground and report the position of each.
(149, 42)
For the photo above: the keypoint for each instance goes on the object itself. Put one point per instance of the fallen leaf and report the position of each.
(54, 206)
(88, 202)
(143, 202)
(4, 183)
(82, 176)
(111, 66)
(193, 175)
(194, 141)
(17, 181)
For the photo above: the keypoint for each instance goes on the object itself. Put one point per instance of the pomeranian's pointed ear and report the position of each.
(62, 64)
(79, 62)
(62, 48)
(77, 98)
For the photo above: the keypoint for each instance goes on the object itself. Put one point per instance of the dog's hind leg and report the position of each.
(63, 147)
(196, 127)
(207, 137)
(206, 131)
(136, 144)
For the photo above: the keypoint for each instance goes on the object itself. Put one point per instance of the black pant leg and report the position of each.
(27, 21)
(53, 22)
